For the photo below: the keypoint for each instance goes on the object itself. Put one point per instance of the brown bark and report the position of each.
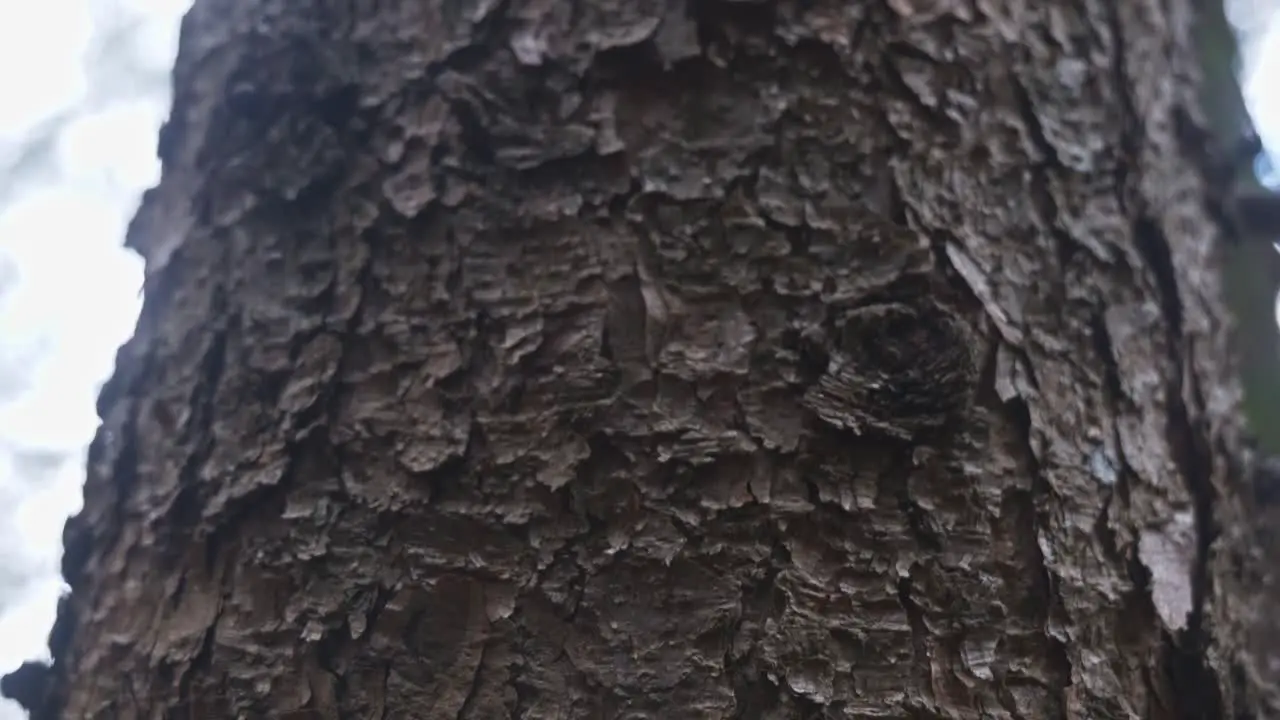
(697, 359)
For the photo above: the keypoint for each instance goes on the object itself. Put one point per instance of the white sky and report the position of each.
(77, 291)
(1264, 102)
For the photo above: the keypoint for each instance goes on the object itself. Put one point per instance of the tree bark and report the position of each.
(700, 359)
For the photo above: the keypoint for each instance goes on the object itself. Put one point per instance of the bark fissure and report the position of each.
(1193, 680)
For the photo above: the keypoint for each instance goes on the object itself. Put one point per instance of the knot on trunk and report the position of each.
(898, 371)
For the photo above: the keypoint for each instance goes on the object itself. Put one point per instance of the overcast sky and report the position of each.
(85, 88)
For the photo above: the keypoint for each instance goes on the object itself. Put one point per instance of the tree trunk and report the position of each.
(705, 359)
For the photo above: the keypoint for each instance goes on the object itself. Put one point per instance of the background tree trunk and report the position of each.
(697, 359)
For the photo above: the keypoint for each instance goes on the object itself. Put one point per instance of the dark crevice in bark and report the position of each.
(1105, 353)
(189, 504)
(524, 693)
(714, 20)
(940, 126)
(1189, 660)
(762, 601)
(819, 57)
(78, 539)
(1043, 164)
(987, 395)
(476, 677)
(488, 29)
(1154, 248)
(754, 696)
(199, 663)
(1193, 679)
(1131, 136)
(1028, 507)
(919, 630)
(330, 651)
(1031, 121)
(1117, 402)
(1240, 701)
(918, 520)
(1193, 683)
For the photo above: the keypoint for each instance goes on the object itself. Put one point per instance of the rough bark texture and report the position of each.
(707, 359)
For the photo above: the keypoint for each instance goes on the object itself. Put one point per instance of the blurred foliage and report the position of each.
(1251, 268)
